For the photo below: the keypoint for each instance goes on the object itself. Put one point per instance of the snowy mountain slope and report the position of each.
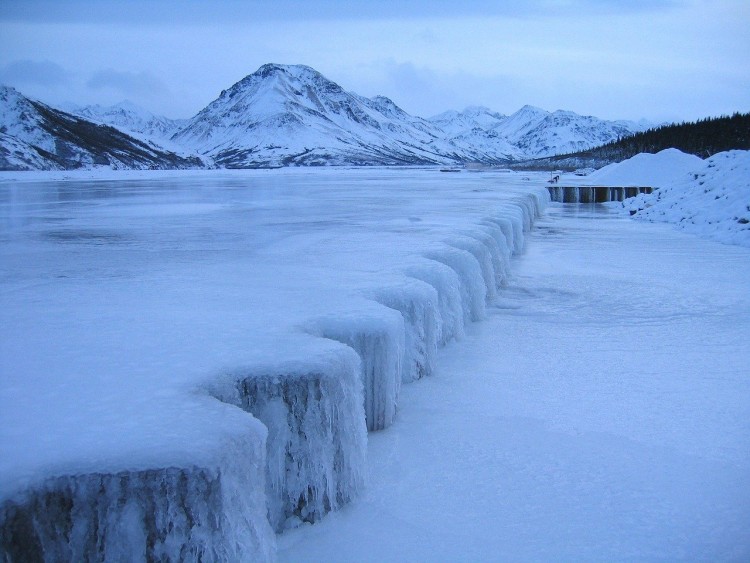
(287, 115)
(473, 117)
(530, 132)
(564, 132)
(36, 136)
(291, 114)
(127, 116)
(521, 122)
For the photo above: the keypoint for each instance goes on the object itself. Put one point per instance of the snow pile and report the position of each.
(713, 201)
(645, 169)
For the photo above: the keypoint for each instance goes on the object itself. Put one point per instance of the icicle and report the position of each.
(317, 442)
(175, 514)
(379, 341)
(417, 302)
(473, 288)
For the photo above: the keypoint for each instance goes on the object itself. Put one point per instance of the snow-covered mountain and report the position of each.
(287, 115)
(34, 136)
(473, 117)
(132, 118)
(531, 132)
(292, 114)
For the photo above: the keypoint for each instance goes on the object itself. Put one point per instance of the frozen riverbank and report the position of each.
(601, 413)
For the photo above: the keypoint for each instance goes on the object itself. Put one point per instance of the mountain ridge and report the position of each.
(284, 115)
(38, 137)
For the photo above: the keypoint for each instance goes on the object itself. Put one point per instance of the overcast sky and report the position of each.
(630, 59)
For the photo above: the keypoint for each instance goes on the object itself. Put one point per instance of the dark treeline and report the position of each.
(702, 138)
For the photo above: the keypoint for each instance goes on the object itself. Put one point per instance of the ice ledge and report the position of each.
(314, 408)
(214, 512)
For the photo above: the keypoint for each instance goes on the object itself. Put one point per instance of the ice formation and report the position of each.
(316, 434)
(213, 512)
(379, 340)
(417, 302)
(303, 316)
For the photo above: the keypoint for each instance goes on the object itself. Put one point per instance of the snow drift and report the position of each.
(712, 200)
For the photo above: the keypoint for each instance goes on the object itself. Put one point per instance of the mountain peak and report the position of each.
(270, 69)
(529, 109)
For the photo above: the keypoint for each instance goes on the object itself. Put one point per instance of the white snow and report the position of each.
(712, 201)
(709, 198)
(645, 169)
(212, 346)
(528, 133)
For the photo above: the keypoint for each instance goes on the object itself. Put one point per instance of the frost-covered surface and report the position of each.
(213, 512)
(128, 306)
(713, 201)
(600, 413)
(312, 407)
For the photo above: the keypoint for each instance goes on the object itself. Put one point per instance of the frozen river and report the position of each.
(599, 411)
(140, 310)
(602, 412)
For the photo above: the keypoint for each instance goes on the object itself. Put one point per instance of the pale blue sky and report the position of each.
(671, 59)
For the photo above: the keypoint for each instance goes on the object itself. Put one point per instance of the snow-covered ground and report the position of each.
(712, 200)
(601, 413)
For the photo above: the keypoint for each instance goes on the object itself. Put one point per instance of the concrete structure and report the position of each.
(595, 194)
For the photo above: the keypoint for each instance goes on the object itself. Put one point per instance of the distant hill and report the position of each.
(703, 138)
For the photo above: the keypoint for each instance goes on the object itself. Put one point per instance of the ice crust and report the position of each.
(305, 301)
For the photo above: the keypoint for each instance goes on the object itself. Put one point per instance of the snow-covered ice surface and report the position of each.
(131, 303)
(601, 412)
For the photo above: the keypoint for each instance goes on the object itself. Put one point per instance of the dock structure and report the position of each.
(595, 194)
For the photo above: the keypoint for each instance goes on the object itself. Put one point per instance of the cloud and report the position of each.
(198, 11)
(425, 90)
(38, 73)
(127, 83)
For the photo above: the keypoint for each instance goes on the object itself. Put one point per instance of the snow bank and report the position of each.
(713, 201)
(645, 169)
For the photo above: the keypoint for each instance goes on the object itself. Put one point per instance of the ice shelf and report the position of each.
(302, 314)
